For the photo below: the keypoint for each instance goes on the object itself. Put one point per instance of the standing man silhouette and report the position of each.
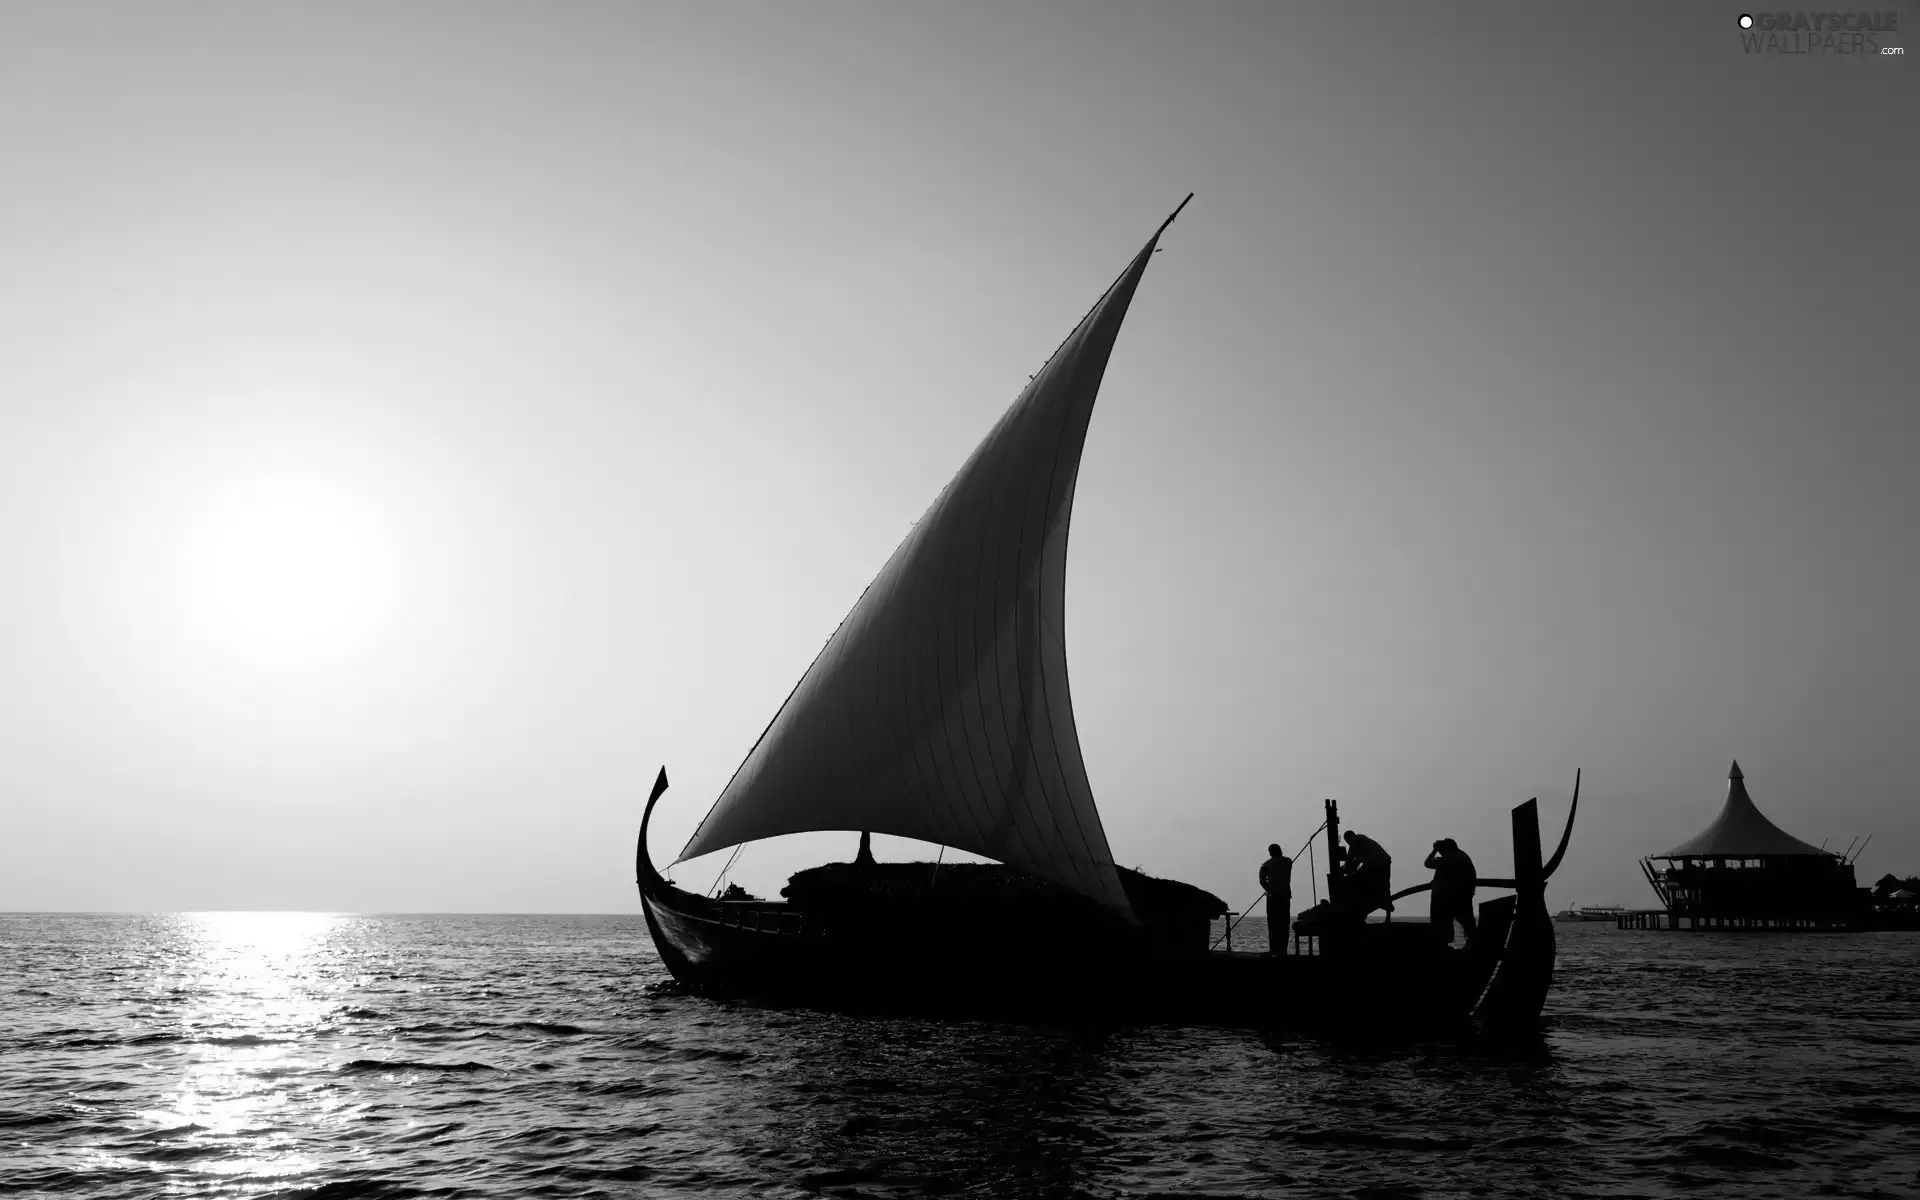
(1276, 879)
(1453, 883)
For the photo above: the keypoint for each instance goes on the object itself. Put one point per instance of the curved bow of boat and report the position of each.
(1566, 835)
(1517, 991)
(644, 873)
(660, 898)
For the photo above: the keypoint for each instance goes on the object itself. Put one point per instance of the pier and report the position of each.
(1666, 920)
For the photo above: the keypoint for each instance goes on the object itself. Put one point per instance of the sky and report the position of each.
(419, 423)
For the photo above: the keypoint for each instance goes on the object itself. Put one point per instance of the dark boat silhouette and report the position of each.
(939, 710)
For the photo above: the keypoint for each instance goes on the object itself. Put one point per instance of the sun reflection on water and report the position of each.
(258, 1002)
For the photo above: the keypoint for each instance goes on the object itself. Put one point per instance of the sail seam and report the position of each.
(1136, 269)
(1013, 783)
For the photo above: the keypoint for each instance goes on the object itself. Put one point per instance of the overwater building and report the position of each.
(1745, 872)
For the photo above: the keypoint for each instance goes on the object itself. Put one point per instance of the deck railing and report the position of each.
(754, 916)
(1305, 944)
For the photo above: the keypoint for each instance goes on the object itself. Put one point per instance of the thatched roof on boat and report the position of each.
(1740, 831)
(985, 884)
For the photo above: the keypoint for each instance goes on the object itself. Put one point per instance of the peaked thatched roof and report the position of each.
(1740, 831)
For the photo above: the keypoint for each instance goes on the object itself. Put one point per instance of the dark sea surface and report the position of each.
(301, 1055)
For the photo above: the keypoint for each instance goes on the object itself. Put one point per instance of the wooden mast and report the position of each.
(1333, 853)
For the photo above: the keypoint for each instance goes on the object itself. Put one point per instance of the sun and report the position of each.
(285, 569)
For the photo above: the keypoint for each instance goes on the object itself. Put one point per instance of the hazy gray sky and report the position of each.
(419, 422)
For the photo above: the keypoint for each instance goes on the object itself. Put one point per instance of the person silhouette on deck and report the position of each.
(1369, 875)
(1276, 880)
(1453, 883)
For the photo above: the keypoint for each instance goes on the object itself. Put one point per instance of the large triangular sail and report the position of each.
(939, 709)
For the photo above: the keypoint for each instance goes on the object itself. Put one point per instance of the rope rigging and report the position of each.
(1247, 908)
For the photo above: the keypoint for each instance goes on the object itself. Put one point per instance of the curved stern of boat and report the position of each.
(1517, 992)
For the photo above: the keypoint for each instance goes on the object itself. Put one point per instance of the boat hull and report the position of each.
(1388, 978)
(723, 953)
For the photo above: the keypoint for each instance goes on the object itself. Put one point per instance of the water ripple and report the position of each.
(309, 1057)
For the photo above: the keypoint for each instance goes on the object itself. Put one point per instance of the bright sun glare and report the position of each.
(285, 570)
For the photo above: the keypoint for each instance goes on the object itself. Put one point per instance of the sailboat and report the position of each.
(939, 710)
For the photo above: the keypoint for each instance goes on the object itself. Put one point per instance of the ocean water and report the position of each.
(324, 1057)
